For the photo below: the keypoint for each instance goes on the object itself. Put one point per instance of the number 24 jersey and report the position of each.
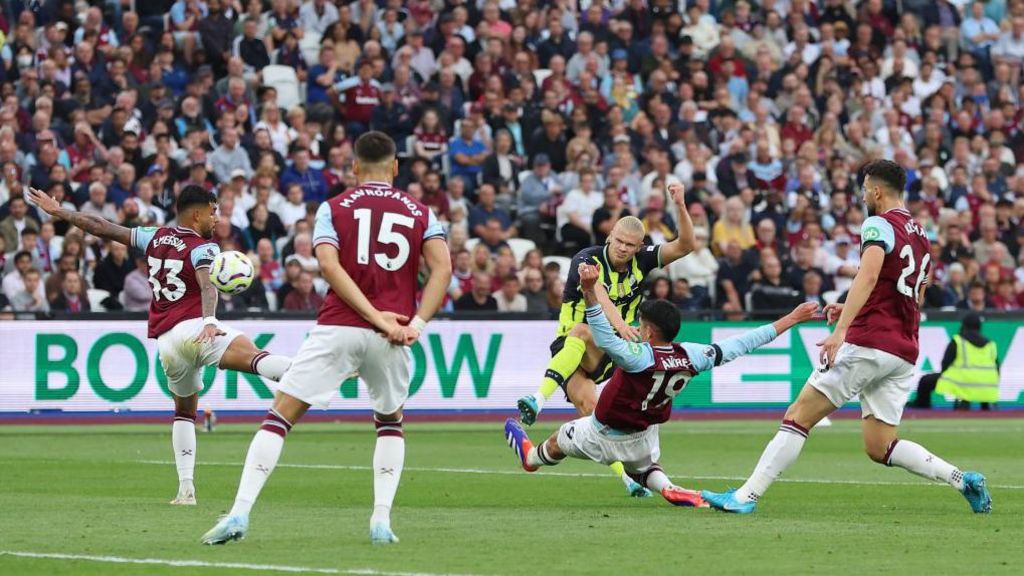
(890, 319)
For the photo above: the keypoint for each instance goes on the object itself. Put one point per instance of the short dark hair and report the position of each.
(890, 173)
(375, 147)
(663, 315)
(194, 195)
(22, 254)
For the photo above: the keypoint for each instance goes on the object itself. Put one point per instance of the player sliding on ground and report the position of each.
(577, 365)
(638, 398)
(368, 241)
(182, 314)
(871, 353)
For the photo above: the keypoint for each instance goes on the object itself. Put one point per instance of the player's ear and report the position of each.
(356, 168)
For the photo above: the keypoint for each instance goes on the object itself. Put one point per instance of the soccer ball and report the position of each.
(232, 272)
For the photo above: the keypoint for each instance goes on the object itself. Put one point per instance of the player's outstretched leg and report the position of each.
(656, 479)
(561, 367)
(882, 446)
(242, 355)
(810, 407)
(388, 460)
(264, 452)
(183, 440)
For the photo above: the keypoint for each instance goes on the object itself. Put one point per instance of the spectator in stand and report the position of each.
(699, 269)
(229, 157)
(509, 298)
(539, 187)
(732, 228)
(576, 214)
(734, 276)
(501, 169)
(30, 297)
(18, 219)
(533, 291)
(314, 186)
(292, 270)
(771, 293)
(430, 140)
(360, 95)
(610, 212)
(303, 297)
(485, 211)
(467, 154)
(462, 272)
(72, 297)
(138, 291)
(977, 298)
(294, 209)
(478, 299)
(111, 272)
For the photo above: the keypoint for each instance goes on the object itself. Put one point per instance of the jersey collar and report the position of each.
(186, 230)
(376, 184)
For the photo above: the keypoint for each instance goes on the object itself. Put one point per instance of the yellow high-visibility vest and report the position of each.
(973, 376)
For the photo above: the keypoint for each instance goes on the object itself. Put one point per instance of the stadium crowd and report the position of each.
(529, 126)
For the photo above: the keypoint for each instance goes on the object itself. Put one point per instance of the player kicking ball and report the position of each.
(638, 398)
(182, 314)
(577, 365)
(368, 241)
(871, 353)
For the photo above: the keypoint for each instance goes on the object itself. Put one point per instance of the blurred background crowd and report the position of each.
(529, 127)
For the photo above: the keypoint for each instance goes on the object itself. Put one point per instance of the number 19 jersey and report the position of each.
(175, 256)
(379, 232)
(890, 319)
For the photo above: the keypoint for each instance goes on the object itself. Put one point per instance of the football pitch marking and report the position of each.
(580, 474)
(201, 564)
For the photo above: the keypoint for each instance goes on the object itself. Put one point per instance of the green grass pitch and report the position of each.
(464, 507)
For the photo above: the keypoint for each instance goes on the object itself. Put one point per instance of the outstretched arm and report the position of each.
(707, 357)
(88, 223)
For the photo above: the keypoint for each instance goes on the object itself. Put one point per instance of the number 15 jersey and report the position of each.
(890, 319)
(175, 256)
(379, 232)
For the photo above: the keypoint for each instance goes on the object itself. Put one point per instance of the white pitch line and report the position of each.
(582, 474)
(202, 564)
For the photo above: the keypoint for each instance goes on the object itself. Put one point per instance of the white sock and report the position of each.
(540, 399)
(264, 452)
(782, 451)
(183, 439)
(388, 459)
(657, 480)
(268, 365)
(915, 458)
(540, 456)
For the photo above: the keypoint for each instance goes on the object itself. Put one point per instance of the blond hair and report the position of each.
(630, 224)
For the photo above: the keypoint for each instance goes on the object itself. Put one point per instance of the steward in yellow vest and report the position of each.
(970, 370)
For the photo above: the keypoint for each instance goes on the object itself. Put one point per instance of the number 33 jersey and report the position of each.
(174, 257)
(379, 232)
(890, 319)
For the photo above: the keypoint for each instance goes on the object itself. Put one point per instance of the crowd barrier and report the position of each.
(458, 365)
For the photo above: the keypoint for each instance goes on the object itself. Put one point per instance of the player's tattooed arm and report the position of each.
(88, 223)
(209, 295)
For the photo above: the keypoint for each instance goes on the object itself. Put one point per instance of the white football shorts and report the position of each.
(883, 381)
(183, 359)
(331, 353)
(588, 439)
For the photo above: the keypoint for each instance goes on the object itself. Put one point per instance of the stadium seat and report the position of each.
(471, 243)
(310, 47)
(96, 298)
(563, 262)
(520, 246)
(831, 297)
(279, 245)
(540, 75)
(286, 82)
(521, 176)
(272, 300)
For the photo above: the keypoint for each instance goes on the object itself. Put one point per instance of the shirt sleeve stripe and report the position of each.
(325, 240)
